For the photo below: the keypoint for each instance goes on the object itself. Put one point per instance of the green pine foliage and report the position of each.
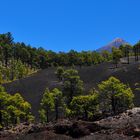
(42, 115)
(72, 84)
(117, 54)
(112, 96)
(59, 104)
(59, 73)
(115, 96)
(52, 101)
(41, 58)
(15, 70)
(18, 60)
(47, 104)
(13, 109)
(84, 106)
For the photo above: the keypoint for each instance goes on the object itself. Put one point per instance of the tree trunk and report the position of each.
(47, 114)
(0, 113)
(116, 64)
(6, 57)
(138, 52)
(135, 55)
(113, 105)
(71, 92)
(56, 111)
(128, 59)
(86, 114)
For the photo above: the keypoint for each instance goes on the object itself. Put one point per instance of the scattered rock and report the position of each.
(124, 126)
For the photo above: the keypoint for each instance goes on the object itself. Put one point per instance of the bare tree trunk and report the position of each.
(56, 112)
(135, 55)
(128, 59)
(0, 113)
(113, 105)
(47, 114)
(86, 114)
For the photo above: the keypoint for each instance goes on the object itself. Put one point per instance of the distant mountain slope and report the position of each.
(115, 43)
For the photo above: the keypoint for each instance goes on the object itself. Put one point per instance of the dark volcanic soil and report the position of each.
(33, 86)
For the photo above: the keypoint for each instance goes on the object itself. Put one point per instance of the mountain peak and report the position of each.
(118, 39)
(117, 42)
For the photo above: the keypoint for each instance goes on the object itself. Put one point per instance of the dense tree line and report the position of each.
(41, 58)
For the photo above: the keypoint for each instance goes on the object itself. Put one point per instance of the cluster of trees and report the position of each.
(126, 50)
(13, 109)
(136, 50)
(115, 96)
(51, 101)
(111, 97)
(13, 59)
(41, 58)
(15, 70)
(55, 100)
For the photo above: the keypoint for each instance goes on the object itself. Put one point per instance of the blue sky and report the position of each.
(61, 25)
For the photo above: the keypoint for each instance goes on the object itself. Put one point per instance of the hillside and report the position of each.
(115, 43)
(32, 88)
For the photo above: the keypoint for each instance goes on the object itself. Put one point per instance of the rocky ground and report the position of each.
(125, 126)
